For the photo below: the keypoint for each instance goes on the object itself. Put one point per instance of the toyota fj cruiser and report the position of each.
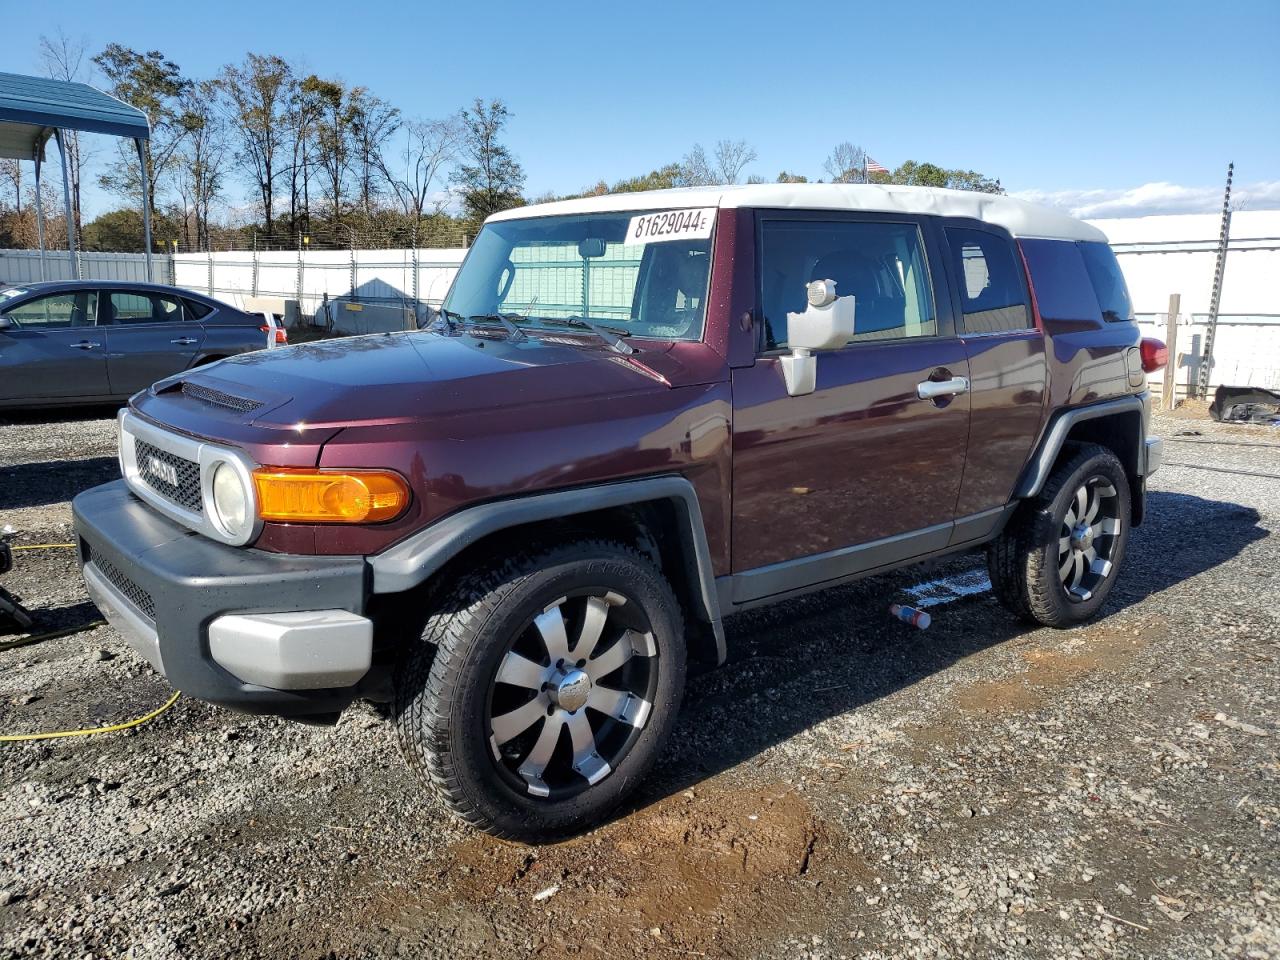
(635, 415)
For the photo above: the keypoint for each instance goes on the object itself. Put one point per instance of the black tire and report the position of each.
(1026, 561)
(448, 688)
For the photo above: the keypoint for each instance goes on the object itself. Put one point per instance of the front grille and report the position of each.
(218, 398)
(132, 592)
(174, 478)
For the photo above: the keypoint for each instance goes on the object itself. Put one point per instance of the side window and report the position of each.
(57, 310)
(1063, 288)
(144, 308)
(883, 265)
(1108, 281)
(991, 291)
(197, 310)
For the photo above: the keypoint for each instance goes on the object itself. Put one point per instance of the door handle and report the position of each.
(932, 389)
(185, 341)
(86, 345)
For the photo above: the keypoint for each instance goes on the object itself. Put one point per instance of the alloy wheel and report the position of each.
(563, 715)
(1088, 538)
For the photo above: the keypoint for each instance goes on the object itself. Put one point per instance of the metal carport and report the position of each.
(33, 109)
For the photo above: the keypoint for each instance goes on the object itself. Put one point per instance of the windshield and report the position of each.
(11, 293)
(643, 273)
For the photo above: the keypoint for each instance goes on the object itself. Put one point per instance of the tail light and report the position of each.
(282, 335)
(1155, 355)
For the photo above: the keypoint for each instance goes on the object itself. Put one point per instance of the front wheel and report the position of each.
(544, 688)
(1057, 560)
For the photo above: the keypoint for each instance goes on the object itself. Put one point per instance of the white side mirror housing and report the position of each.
(826, 324)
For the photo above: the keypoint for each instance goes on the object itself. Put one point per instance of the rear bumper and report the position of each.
(256, 631)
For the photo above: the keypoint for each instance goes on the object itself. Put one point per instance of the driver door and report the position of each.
(53, 350)
(862, 472)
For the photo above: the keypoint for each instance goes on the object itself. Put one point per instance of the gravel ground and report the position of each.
(846, 786)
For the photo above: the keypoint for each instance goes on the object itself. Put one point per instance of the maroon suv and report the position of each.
(636, 414)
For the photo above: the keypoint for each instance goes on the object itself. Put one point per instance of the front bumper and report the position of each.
(256, 631)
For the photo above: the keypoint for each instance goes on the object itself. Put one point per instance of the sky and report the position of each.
(1103, 109)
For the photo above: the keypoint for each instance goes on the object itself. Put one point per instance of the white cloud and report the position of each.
(1152, 199)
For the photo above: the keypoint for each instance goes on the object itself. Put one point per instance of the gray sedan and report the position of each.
(90, 341)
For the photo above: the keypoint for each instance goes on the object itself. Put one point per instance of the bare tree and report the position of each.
(64, 59)
(732, 156)
(336, 116)
(201, 163)
(847, 163)
(305, 109)
(11, 177)
(258, 94)
(695, 169)
(373, 124)
(430, 146)
(155, 86)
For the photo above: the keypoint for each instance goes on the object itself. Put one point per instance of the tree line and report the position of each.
(321, 157)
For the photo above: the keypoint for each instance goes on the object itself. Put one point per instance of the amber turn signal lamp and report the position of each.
(1154, 354)
(322, 496)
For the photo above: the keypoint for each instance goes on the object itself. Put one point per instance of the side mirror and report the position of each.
(826, 324)
(5, 323)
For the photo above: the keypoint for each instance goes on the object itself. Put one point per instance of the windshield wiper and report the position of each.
(610, 335)
(513, 332)
(450, 320)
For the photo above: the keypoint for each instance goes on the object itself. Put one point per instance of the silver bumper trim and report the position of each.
(137, 630)
(305, 650)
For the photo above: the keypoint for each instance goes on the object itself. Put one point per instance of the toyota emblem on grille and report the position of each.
(162, 471)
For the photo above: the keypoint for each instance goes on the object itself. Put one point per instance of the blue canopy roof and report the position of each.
(31, 108)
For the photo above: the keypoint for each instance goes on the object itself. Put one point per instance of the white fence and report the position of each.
(23, 266)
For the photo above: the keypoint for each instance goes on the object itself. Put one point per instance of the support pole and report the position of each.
(1215, 297)
(66, 199)
(146, 208)
(1168, 400)
(40, 212)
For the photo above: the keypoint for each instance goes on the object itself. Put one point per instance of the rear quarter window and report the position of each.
(197, 310)
(1063, 288)
(1108, 282)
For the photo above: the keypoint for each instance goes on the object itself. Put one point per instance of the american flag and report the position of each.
(873, 167)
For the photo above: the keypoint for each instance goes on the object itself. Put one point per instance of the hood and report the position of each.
(400, 377)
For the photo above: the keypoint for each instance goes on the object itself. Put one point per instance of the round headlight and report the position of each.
(231, 500)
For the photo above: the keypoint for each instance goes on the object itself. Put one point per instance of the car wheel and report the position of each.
(1057, 559)
(544, 687)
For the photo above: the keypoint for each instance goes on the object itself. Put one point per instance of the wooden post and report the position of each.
(1169, 400)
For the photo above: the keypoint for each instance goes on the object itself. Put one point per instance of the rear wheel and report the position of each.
(544, 688)
(1057, 560)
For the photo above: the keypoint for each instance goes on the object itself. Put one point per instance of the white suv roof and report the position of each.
(1020, 218)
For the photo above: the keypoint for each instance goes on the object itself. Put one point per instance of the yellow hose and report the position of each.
(16, 737)
(11, 644)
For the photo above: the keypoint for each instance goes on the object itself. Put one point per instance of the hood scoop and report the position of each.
(219, 398)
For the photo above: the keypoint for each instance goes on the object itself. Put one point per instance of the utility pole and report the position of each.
(1168, 398)
(1215, 298)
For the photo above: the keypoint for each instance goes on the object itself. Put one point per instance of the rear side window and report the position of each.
(144, 308)
(1108, 282)
(198, 310)
(1064, 290)
(991, 291)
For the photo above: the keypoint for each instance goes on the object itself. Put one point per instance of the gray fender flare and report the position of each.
(1055, 435)
(414, 560)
